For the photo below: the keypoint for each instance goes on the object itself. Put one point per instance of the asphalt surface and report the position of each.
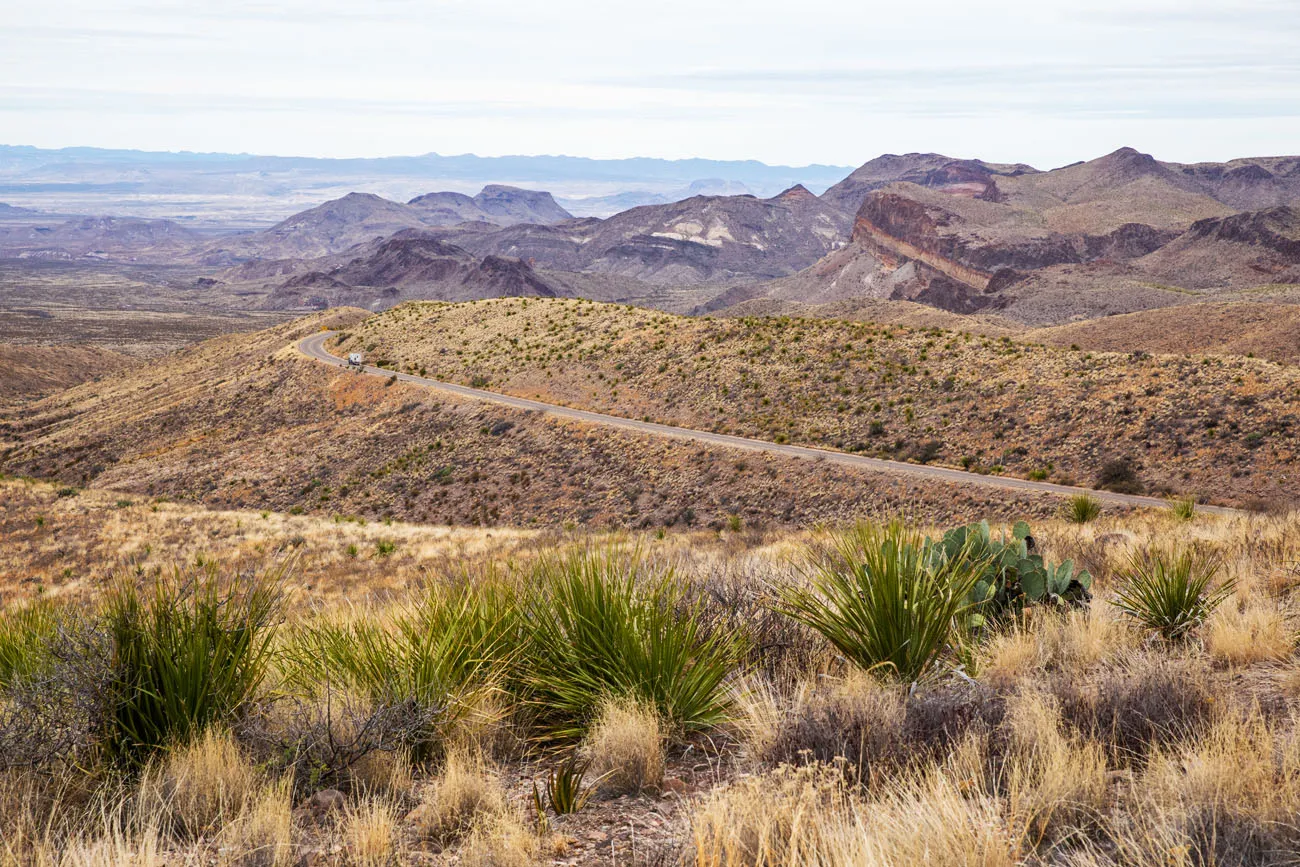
(314, 347)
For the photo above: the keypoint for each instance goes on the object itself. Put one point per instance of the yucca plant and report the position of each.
(1169, 592)
(456, 641)
(884, 600)
(604, 625)
(25, 631)
(566, 788)
(1182, 508)
(1082, 508)
(189, 652)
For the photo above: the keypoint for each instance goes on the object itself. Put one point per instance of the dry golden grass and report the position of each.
(464, 794)
(626, 748)
(262, 836)
(197, 789)
(1079, 742)
(504, 841)
(369, 832)
(1255, 632)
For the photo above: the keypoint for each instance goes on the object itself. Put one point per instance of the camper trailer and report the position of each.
(354, 359)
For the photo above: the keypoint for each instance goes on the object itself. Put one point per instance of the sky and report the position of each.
(791, 83)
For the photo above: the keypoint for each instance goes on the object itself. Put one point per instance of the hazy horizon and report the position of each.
(1046, 84)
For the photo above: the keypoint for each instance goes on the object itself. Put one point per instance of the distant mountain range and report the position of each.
(248, 189)
(1121, 233)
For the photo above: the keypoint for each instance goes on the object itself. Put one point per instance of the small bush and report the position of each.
(1182, 508)
(1119, 475)
(883, 601)
(1082, 509)
(1148, 701)
(1169, 592)
(626, 748)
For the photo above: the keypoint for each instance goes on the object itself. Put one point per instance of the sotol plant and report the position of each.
(884, 600)
(1169, 592)
(189, 652)
(606, 625)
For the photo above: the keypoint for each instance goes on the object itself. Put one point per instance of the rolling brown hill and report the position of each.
(1220, 428)
(245, 421)
(1245, 328)
(28, 371)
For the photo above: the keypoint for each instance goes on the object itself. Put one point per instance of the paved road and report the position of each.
(314, 347)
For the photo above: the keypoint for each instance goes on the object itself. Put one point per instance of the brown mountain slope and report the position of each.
(27, 372)
(495, 203)
(408, 265)
(1265, 330)
(360, 217)
(887, 391)
(124, 239)
(246, 421)
(1120, 233)
(697, 240)
(969, 177)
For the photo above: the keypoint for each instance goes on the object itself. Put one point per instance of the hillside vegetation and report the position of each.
(698, 699)
(1219, 428)
(246, 421)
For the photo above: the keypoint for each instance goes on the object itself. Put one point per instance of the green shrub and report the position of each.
(458, 640)
(603, 625)
(1119, 475)
(25, 632)
(1183, 508)
(1169, 591)
(884, 600)
(190, 652)
(1082, 508)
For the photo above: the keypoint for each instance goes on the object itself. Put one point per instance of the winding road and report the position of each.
(314, 348)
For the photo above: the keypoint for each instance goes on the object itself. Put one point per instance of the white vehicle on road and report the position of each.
(354, 359)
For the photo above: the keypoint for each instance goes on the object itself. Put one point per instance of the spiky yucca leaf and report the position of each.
(884, 600)
(606, 625)
(1169, 591)
(189, 652)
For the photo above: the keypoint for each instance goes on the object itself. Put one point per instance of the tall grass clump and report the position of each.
(1169, 592)
(1182, 508)
(459, 640)
(191, 651)
(1082, 508)
(884, 599)
(607, 626)
(25, 632)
